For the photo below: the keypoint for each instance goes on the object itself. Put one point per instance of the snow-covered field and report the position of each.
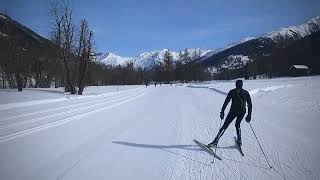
(12, 98)
(148, 133)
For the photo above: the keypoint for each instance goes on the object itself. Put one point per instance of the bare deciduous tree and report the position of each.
(83, 54)
(63, 37)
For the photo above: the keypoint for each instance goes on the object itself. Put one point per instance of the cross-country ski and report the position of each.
(208, 149)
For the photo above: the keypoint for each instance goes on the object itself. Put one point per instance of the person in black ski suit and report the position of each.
(239, 99)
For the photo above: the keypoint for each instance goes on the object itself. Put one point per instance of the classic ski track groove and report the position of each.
(102, 102)
(65, 120)
(72, 105)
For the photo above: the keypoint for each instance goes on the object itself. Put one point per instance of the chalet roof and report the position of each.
(299, 67)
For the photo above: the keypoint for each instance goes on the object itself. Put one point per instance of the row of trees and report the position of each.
(188, 67)
(166, 70)
(67, 60)
(23, 57)
(31, 60)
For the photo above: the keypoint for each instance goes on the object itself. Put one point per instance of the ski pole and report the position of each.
(215, 150)
(260, 146)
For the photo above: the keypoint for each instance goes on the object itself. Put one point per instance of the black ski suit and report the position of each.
(239, 99)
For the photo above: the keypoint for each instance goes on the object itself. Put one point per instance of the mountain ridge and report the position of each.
(258, 47)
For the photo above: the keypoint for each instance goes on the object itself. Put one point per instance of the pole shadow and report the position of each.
(167, 148)
(186, 147)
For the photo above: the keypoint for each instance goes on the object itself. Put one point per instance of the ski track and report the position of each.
(94, 104)
(155, 136)
(95, 100)
(114, 103)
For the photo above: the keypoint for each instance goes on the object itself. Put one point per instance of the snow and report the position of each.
(3, 34)
(239, 42)
(145, 59)
(113, 59)
(213, 52)
(10, 98)
(300, 66)
(149, 58)
(299, 31)
(148, 133)
(235, 61)
(267, 89)
(2, 16)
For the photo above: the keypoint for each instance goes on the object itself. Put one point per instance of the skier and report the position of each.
(239, 98)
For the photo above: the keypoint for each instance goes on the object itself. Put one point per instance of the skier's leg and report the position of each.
(225, 125)
(238, 129)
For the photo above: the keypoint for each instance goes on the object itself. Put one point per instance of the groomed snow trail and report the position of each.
(148, 133)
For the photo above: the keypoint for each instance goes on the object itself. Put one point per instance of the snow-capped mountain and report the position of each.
(296, 32)
(233, 55)
(147, 59)
(249, 49)
(112, 59)
(212, 52)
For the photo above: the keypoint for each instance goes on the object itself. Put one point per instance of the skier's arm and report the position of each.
(226, 101)
(249, 104)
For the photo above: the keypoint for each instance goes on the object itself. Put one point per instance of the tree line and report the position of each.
(68, 59)
(188, 67)
(30, 60)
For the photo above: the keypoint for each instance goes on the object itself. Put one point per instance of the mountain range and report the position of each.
(146, 59)
(255, 48)
(232, 56)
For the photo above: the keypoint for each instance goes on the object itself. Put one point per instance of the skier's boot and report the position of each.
(214, 143)
(239, 136)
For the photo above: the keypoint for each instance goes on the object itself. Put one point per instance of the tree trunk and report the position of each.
(69, 84)
(19, 81)
(3, 79)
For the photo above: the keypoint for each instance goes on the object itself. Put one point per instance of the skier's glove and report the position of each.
(221, 115)
(248, 118)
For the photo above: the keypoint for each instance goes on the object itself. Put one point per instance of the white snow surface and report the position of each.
(148, 133)
(10, 98)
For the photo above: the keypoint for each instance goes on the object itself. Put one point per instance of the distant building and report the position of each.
(299, 70)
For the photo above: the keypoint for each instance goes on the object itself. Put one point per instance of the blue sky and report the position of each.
(130, 27)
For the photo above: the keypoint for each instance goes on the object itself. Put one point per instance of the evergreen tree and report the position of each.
(186, 56)
(168, 66)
